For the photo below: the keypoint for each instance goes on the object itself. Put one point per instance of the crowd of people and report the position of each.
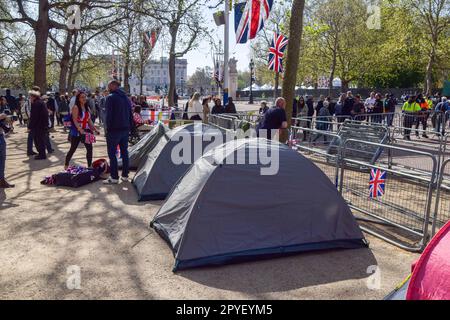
(119, 113)
(417, 110)
(77, 114)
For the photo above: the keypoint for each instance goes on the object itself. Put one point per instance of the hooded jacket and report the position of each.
(118, 112)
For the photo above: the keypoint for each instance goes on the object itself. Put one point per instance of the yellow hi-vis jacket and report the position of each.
(411, 107)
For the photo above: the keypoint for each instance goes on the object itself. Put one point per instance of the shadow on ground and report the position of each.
(287, 273)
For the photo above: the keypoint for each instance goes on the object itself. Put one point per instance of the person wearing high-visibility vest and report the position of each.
(410, 111)
(424, 113)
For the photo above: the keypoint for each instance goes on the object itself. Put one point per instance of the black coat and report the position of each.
(39, 117)
(230, 108)
(310, 105)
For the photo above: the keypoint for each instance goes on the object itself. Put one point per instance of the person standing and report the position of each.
(348, 105)
(410, 110)
(206, 109)
(51, 106)
(377, 109)
(358, 109)
(310, 106)
(20, 108)
(389, 108)
(73, 98)
(274, 119)
(82, 124)
(63, 109)
(3, 183)
(12, 101)
(38, 123)
(442, 116)
(119, 121)
(230, 107)
(217, 108)
(195, 109)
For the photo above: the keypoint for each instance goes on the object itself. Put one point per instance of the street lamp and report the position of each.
(252, 66)
(182, 91)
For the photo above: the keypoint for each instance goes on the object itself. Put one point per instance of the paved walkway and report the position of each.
(104, 231)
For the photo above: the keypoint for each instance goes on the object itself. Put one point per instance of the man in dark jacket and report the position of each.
(119, 121)
(12, 101)
(349, 102)
(38, 123)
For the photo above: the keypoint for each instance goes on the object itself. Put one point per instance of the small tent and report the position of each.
(172, 156)
(139, 151)
(222, 211)
(430, 278)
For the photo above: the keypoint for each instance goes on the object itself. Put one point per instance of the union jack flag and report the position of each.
(249, 18)
(377, 183)
(276, 52)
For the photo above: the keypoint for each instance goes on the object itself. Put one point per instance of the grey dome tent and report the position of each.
(139, 151)
(158, 173)
(220, 212)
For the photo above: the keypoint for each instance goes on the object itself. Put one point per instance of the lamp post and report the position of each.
(182, 90)
(252, 66)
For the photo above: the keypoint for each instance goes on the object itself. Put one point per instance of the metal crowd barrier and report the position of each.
(405, 205)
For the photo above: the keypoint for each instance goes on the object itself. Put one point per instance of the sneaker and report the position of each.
(425, 136)
(39, 158)
(125, 179)
(111, 181)
(31, 154)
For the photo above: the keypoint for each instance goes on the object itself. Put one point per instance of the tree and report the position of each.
(184, 24)
(435, 18)
(292, 58)
(201, 78)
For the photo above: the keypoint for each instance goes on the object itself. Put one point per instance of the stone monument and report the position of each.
(233, 78)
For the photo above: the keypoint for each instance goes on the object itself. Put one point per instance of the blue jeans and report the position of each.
(112, 140)
(2, 156)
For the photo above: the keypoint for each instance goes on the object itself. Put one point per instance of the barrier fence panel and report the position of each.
(401, 213)
(315, 145)
(441, 213)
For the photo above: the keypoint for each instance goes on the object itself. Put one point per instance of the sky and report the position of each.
(201, 57)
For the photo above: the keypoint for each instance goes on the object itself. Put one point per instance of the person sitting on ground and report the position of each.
(217, 108)
(274, 119)
(230, 107)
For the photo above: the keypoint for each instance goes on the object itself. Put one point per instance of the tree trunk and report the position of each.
(126, 73)
(332, 72)
(40, 52)
(292, 60)
(64, 64)
(429, 72)
(172, 60)
(345, 85)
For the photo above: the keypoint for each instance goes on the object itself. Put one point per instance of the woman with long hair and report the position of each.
(81, 130)
(195, 109)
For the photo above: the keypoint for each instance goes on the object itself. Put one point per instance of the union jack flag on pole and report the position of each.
(276, 52)
(377, 183)
(249, 18)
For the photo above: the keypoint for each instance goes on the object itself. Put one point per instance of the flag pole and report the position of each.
(226, 52)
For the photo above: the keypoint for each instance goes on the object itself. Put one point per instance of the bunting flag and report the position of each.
(249, 18)
(276, 52)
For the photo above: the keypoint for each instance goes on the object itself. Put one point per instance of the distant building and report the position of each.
(156, 76)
